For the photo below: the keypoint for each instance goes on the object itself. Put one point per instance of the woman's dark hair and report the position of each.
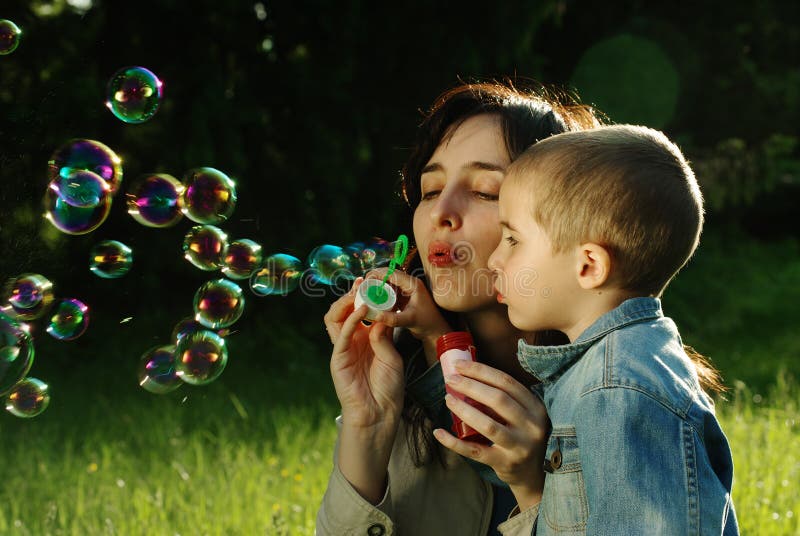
(526, 116)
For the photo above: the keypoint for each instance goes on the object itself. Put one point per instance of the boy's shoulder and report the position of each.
(646, 356)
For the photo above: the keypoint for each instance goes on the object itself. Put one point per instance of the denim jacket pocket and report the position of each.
(564, 505)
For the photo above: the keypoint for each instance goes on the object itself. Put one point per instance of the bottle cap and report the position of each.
(454, 339)
(377, 295)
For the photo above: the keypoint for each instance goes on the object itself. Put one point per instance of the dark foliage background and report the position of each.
(311, 107)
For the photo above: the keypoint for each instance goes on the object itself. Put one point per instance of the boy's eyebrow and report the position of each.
(475, 165)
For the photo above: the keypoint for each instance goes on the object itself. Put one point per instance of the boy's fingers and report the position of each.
(490, 376)
(474, 451)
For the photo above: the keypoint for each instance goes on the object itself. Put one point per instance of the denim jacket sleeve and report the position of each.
(654, 461)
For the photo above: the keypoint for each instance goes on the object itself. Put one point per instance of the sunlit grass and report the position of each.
(251, 453)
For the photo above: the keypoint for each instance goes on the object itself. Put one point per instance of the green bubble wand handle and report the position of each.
(379, 294)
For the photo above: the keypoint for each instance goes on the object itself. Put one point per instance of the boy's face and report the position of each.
(539, 287)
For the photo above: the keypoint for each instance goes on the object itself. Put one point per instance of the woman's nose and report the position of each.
(447, 211)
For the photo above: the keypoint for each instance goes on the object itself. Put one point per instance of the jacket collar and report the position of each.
(545, 362)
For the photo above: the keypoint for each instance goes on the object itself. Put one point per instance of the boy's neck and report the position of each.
(496, 338)
(596, 304)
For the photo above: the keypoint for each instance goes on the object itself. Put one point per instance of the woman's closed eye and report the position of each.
(430, 195)
(486, 196)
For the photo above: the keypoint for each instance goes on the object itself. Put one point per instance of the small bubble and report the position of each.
(757, 398)
(120, 483)
(776, 516)
(134, 94)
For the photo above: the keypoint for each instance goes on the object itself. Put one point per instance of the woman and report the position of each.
(390, 476)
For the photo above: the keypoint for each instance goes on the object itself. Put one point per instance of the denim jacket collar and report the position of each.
(545, 362)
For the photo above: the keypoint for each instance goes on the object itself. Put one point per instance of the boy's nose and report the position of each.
(494, 259)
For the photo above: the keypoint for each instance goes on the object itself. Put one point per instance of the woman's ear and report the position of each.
(593, 266)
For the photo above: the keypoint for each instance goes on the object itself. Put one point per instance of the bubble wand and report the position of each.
(379, 295)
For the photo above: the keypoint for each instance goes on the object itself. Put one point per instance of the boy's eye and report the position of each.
(511, 241)
(486, 196)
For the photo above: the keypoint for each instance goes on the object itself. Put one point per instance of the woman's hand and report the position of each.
(519, 444)
(419, 313)
(366, 368)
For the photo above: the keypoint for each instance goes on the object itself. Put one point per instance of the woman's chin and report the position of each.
(465, 303)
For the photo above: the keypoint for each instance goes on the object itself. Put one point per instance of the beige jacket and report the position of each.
(420, 501)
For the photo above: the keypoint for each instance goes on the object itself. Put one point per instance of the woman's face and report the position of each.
(456, 224)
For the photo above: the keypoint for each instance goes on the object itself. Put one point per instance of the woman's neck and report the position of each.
(496, 340)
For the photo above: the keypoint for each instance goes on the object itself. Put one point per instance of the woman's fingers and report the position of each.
(491, 386)
(339, 310)
(345, 336)
(488, 426)
(405, 282)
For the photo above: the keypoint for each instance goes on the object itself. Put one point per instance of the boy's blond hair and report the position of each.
(627, 188)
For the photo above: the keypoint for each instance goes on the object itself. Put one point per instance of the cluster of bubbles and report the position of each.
(27, 298)
(84, 177)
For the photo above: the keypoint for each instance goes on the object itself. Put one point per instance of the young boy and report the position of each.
(595, 225)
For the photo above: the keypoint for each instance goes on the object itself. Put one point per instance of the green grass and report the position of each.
(251, 453)
(764, 433)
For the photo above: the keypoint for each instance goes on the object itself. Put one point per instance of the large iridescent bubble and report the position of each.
(110, 259)
(70, 320)
(330, 265)
(218, 303)
(16, 353)
(200, 357)
(204, 246)
(134, 94)
(30, 295)
(155, 200)
(157, 372)
(81, 188)
(10, 35)
(90, 155)
(74, 220)
(28, 398)
(242, 257)
(279, 274)
(209, 195)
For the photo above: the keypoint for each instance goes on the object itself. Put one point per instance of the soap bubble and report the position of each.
(9, 37)
(209, 195)
(379, 252)
(200, 357)
(242, 257)
(204, 246)
(81, 188)
(190, 325)
(218, 303)
(157, 372)
(16, 353)
(74, 220)
(110, 259)
(155, 200)
(89, 155)
(279, 274)
(29, 295)
(331, 265)
(134, 94)
(28, 398)
(70, 320)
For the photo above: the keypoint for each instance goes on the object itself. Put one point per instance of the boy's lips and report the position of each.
(440, 253)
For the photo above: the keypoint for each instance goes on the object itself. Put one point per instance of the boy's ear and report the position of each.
(593, 266)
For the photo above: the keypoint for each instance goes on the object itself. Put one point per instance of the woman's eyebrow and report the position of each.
(475, 165)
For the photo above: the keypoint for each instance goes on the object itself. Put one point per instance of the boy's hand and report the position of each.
(519, 445)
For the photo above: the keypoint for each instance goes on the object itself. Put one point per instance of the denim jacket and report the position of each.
(635, 447)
